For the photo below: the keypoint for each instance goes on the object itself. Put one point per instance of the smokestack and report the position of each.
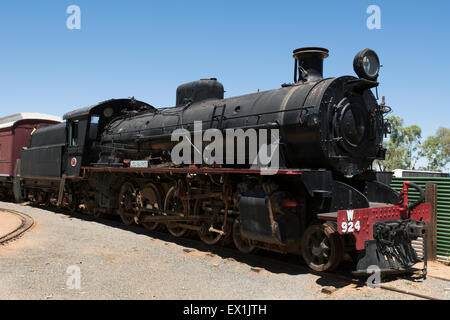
(309, 63)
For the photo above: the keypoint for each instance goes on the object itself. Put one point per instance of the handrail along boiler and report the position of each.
(323, 203)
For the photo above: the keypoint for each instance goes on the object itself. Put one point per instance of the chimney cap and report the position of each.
(306, 50)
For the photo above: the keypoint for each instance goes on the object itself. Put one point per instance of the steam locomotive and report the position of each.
(322, 202)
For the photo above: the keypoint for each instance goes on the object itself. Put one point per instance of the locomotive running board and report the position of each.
(190, 170)
(332, 216)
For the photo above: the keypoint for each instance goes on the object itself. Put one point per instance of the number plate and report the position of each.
(350, 225)
(139, 164)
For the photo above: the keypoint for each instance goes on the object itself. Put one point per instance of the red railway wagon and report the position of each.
(15, 134)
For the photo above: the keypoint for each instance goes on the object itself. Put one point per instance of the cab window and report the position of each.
(95, 119)
(94, 127)
(73, 133)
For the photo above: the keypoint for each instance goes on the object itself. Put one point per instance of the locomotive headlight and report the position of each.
(367, 65)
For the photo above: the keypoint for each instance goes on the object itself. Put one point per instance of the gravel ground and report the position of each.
(127, 263)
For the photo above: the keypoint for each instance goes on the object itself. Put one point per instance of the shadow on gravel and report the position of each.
(410, 276)
(272, 262)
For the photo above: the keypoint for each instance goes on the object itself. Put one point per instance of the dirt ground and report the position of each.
(438, 269)
(117, 262)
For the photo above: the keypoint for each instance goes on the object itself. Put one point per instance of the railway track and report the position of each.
(283, 262)
(350, 280)
(26, 223)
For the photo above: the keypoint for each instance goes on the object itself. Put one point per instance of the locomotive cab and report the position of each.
(84, 125)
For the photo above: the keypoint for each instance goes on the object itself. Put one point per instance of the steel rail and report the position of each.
(26, 223)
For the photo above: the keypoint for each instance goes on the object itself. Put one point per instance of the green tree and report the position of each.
(403, 146)
(444, 136)
(436, 149)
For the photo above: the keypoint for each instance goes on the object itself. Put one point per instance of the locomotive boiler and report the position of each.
(322, 202)
(332, 123)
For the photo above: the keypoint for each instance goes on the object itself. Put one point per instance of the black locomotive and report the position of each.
(117, 157)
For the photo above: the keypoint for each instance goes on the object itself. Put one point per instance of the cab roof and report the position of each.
(131, 104)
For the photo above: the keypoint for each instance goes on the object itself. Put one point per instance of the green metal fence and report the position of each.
(443, 209)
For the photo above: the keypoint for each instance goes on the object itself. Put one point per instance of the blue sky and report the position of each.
(147, 48)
